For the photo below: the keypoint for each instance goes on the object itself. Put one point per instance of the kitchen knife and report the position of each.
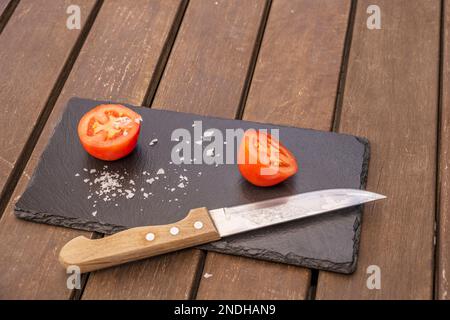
(202, 226)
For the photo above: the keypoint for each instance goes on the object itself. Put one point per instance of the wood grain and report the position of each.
(206, 75)
(443, 256)
(291, 89)
(233, 278)
(6, 9)
(207, 68)
(3, 5)
(116, 63)
(139, 243)
(391, 97)
(35, 46)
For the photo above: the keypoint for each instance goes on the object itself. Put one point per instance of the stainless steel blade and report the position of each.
(262, 214)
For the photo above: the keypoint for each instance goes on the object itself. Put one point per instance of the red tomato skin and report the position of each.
(252, 171)
(113, 150)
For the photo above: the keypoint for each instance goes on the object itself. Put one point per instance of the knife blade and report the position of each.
(202, 226)
(247, 217)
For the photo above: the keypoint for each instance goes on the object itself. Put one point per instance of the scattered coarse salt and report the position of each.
(89, 196)
(92, 171)
(84, 169)
(172, 190)
(181, 185)
(153, 142)
(207, 275)
(77, 174)
(199, 142)
(132, 182)
(86, 180)
(150, 181)
(200, 173)
(142, 189)
(160, 171)
(145, 195)
(94, 213)
(129, 194)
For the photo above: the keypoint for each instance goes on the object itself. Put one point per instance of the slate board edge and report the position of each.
(346, 267)
(85, 225)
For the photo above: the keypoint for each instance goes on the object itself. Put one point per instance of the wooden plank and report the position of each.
(232, 277)
(117, 63)
(391, 97)
(291, 89)
(3, 5)
(7, 7)
(35, 46)
(443, 256)
(206, 75)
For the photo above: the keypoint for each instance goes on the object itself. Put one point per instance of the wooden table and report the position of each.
(307, 63)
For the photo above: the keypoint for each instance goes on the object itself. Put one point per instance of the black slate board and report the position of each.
(57, 195)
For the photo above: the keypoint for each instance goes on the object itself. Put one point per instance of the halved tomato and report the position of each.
(109, 131)
(263, 160)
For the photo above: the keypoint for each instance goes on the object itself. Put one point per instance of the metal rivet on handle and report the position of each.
(198, 225)
(150, 236)
(174, 231)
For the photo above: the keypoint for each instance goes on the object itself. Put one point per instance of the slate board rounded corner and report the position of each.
(46, 201)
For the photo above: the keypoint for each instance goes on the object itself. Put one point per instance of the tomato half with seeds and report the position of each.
(109, 131)
(263, 160)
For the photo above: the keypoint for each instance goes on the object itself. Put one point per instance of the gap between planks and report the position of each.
(28, 148)
(147, 102)
(344, 66)
(7, 13)
(240, 112)
(436, 257)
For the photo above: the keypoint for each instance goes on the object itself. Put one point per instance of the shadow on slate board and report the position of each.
(60, 191)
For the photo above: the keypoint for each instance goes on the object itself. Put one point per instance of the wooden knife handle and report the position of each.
(139, 243)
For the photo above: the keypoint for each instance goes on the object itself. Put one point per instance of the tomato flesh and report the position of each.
(263, 160)
(110, 131)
